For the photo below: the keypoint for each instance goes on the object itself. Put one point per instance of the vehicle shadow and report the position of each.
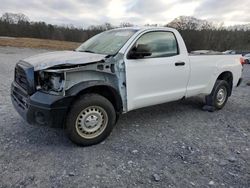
(44, 136)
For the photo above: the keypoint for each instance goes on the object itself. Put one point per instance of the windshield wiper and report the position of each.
(89, 51)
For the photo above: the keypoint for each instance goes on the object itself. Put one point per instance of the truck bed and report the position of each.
(207, 66)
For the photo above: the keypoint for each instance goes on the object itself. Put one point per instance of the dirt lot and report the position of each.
(170, 145)
(38, 43)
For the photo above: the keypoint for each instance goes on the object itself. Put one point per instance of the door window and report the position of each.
(159, 44)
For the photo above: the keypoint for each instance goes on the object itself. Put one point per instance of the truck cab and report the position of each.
(113, 73)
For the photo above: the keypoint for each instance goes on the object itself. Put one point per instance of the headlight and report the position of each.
(51, 82)
(56, 82)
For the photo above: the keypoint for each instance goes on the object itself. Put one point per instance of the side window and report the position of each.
(159, 44)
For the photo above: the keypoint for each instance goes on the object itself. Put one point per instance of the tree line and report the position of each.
(197, 34)
(218, 40)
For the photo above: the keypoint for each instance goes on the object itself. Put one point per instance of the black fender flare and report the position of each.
(79, 88)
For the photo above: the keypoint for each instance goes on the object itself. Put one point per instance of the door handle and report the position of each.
(179, 63)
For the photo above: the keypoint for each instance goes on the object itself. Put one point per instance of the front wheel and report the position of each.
(219, 95)
(90, 120)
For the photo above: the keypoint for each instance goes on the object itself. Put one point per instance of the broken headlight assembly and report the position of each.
(51, 82)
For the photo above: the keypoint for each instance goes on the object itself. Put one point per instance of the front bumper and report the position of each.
(40, 108)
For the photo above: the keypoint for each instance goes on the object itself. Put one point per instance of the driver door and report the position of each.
(159, 77)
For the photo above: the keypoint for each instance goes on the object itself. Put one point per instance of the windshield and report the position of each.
(108, 42)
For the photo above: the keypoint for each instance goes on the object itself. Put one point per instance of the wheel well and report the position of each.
(108, 92)
(228, 77)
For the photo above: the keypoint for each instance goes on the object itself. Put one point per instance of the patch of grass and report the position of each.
(38, 43)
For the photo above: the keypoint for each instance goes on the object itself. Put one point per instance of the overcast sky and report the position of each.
(83, 13)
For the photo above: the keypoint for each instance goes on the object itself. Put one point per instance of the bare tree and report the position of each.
(13, 18)
(126, 24)
(190, 23)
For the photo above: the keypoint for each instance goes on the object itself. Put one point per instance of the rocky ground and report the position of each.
(170, 145)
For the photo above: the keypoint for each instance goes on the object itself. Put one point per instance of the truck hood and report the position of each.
(51, 59)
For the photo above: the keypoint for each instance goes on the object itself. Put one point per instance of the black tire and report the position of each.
(89, 106)
(212, 100)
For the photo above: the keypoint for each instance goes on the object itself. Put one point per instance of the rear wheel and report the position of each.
(219, 95)
(90, 120)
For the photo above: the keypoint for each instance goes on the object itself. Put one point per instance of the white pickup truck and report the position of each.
(115, 72)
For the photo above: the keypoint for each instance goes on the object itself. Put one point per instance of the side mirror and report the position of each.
(140, 51)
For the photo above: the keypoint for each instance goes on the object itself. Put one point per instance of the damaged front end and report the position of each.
(58, 80)
(43, 92)
(51, 82)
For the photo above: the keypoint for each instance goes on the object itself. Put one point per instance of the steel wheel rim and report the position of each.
(221, 96)
(91, 122)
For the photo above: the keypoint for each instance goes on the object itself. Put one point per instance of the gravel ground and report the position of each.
(170, 145)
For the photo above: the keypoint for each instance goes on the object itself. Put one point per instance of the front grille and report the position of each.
(24, 77)
(20, 77)
(19, 97)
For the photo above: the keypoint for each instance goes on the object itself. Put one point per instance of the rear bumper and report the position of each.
(40, 108)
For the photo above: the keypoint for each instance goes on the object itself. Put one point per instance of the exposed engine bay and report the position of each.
(50, 82)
